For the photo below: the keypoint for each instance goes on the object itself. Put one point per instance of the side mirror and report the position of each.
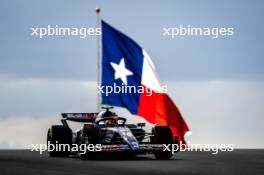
(141, 125)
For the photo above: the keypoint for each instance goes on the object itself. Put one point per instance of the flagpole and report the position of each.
(97, 10)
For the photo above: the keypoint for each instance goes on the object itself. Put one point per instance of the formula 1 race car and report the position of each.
(111, 133)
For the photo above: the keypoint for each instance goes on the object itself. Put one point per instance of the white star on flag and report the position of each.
(121, 71)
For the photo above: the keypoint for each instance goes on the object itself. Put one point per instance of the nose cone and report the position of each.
(134, 146)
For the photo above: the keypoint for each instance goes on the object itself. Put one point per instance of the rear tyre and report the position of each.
(89, 135)
(59, 134)
(162, 135)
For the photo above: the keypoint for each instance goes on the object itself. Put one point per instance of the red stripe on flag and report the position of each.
(159, 109)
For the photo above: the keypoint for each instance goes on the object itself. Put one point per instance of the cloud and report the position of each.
(222, 111)
(216, 111)
(42, 97)
(21, 132)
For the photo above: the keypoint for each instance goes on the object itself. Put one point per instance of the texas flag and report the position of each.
(125, 63)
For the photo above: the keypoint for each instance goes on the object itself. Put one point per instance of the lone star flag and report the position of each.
(126, 64)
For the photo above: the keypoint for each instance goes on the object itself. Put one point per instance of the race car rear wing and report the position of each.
(80, 117)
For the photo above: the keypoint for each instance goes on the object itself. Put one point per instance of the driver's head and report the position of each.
(111, 122)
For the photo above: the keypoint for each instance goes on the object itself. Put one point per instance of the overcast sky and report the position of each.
(217, 83)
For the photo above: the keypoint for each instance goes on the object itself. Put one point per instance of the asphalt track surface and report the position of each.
(25, 162)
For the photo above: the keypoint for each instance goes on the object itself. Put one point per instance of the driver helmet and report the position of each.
(111, 121)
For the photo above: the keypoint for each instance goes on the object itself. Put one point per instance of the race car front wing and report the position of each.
(124, 148)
